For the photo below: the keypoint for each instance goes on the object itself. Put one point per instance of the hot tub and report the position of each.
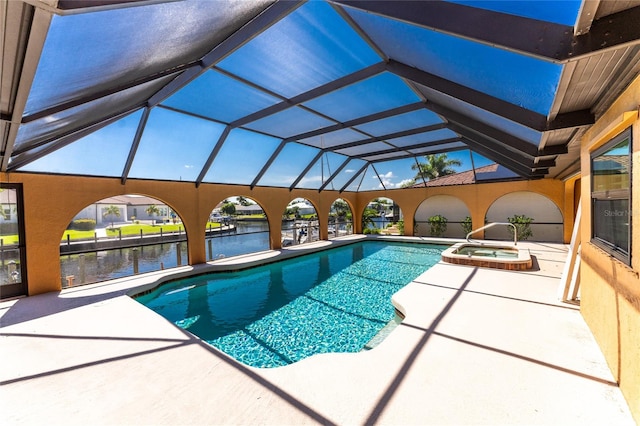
(489, 255)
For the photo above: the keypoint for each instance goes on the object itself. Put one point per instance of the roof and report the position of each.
(462, 178)
(341, 95)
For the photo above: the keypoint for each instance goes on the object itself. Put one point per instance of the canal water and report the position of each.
(110, 264)
(250, 237)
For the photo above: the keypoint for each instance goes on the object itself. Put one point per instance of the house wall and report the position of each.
(610, 290)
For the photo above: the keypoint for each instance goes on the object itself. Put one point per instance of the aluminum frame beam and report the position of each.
(355, 175)
(406, 148)
(37, 33)
(26, 157)
(384, 138)
(500, 137)
(358, 121)
(335, 173)
(306, 170)
(213, 155)
(516, 113)
(268, 164)
(312, 94)
(544, 40)
(257, 25)
(134, 145)
(409, 155)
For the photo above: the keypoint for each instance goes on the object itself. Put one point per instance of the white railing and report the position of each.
(515, 230)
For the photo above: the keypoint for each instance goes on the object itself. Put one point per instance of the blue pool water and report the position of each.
(273, 315)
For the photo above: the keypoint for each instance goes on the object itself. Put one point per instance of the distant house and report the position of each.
(490, 172)
(250, 209)
(304, 207)
(131, 207)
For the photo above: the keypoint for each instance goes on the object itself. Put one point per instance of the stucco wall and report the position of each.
(45, 225)
(610, 290)
(478, 198)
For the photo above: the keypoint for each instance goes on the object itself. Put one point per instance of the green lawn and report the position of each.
(129, 230)
(251, 216)
(9, 239)
(77, 235)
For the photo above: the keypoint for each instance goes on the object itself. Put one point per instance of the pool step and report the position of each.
(382, 334)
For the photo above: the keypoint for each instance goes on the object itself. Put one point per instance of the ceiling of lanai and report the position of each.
(341, 95)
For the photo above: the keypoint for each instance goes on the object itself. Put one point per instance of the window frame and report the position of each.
(613, 194)
(21, 288)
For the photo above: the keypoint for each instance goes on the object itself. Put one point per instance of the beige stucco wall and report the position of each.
(51, 202)
(610, 290)
(478, 198)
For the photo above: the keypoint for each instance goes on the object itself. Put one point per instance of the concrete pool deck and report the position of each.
(477, 346)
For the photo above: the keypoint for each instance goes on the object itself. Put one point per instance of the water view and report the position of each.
(237, 238)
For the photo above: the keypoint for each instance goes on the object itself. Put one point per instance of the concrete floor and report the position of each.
(477, 346)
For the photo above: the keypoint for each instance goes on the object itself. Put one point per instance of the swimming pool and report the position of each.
(336, 300)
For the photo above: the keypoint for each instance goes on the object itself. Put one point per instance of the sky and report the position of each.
(310, 47)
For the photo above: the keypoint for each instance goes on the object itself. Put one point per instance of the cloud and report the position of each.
(386, 180)
(310, 180)
(349, 171)
(188, 166)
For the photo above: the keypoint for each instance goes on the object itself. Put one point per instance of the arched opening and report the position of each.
(299, 223)
(382, 216)
(546, 222)
(442, 216)
(340, 219)
(237, 225)
(121, 236)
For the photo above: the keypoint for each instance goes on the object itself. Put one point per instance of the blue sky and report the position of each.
(314, 46)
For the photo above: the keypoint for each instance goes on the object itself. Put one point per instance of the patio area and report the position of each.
(477, 346)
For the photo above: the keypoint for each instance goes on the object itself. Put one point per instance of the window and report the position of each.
(13, 279)
(611, 196)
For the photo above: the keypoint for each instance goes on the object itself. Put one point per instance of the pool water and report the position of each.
(337, 300)
(489, 252)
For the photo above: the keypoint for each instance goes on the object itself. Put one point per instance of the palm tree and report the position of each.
(111, 211)
(340, 207)
(152, 210)
(243, 201)
(367, 218)
(437, 165)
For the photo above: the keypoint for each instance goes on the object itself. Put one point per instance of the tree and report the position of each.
(466, 224)
(153, 210)
(340, 207)
(437, 225)
(228, 209)
(377, 204)
(111, 211)
(244, 201)
(367, 218)
(293, 211)
(437, 165)
(523, 226)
